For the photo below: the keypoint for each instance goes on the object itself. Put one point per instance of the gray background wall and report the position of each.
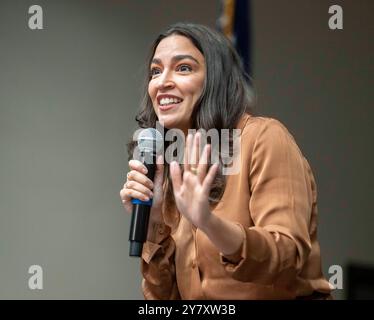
(68, 97)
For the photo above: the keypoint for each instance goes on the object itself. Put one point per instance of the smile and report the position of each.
(168, 103)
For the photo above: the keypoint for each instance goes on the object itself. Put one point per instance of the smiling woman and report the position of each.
(177, 80)
(251, 235)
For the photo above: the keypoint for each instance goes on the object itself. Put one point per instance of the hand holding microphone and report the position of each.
(139, 186)
(137, 196)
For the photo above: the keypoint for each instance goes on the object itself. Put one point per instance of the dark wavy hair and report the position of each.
(226, 95)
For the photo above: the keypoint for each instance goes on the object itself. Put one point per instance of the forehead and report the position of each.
(177, 45)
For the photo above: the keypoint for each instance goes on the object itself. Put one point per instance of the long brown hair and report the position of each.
(225, 98)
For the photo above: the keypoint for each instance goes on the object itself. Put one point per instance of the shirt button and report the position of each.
(161, 230)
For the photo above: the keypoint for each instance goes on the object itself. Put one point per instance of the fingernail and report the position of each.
(146, 199)
(145, 171)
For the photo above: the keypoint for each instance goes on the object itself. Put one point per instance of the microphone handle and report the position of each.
(140, 218)
(139, 228)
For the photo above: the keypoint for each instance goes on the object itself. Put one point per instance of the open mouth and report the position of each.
(168, 103)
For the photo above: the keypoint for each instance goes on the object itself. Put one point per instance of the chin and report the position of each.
(168, 123)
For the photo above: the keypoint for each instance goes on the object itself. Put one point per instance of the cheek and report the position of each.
(151, 90)
(196, 94)
(193, 88)
(152, 96)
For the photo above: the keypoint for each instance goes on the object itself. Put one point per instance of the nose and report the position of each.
(165, 81)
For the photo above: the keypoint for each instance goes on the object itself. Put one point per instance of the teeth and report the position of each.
(166, 101)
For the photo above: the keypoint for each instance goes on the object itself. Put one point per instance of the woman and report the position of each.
(251, 235)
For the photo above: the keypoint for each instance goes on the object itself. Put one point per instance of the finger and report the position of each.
(127, 205)
(210, 178)
(195, 150)
(129, 194)
(190, 180)
(159, 174)
(140, 178)
(136, 186)
(186, 157)
(175, 173)
(203, 163)
(126, 200)
(159, 160)
(124, 195)
(160, 164)
(138, 166)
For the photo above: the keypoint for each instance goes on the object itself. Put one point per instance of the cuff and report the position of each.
(149, 250)
(158, 233)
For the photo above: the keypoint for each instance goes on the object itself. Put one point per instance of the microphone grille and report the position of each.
(150, 140)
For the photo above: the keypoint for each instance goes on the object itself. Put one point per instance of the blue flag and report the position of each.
(234, 22)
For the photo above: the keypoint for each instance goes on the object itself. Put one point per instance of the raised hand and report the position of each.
(191, 190)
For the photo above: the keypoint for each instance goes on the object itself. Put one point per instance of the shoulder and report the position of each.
(259, 130)
(267, 138)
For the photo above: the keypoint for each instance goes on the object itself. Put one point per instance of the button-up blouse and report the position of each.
(273, 199)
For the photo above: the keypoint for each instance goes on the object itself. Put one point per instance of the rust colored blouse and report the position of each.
(274, 200)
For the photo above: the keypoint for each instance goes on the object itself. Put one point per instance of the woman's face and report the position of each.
(177, 79)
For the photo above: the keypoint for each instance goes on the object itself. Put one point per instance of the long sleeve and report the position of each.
(158, 266)
(280, 205)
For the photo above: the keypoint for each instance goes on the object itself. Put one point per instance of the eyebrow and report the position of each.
(176, 58)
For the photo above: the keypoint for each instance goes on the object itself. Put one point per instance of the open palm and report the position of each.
(191, 189)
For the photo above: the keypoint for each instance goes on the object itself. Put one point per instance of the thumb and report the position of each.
(159, 174)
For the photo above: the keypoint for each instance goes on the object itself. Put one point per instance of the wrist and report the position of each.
(227, 236)
(207, 224)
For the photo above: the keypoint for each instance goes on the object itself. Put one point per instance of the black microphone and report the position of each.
(150, 144)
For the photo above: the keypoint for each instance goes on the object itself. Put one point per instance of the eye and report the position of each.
(184, 68)
(154, 72)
